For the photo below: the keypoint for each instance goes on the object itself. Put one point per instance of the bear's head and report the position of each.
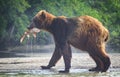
(40, 21)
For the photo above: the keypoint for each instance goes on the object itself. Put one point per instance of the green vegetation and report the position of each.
(15, 16)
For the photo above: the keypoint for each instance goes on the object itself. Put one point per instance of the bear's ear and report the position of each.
(43, 14)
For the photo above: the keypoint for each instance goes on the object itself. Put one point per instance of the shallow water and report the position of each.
(54, 73)
(30, 66)
(25, 62)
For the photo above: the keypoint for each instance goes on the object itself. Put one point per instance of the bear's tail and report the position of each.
(106, 35)
(106, 38)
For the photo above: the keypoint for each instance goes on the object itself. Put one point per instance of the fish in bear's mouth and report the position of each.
(27, 33)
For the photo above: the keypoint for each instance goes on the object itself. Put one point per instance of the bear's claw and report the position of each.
(45, 67)
(64, 71)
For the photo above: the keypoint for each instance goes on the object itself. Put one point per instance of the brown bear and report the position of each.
(83, 32)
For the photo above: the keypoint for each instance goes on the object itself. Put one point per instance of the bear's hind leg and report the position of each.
(99, 63)
(101, 58)
(106, 61)
(104, 57)
(93, 52)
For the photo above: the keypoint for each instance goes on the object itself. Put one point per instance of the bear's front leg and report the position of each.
(55, 57)
(67, 55)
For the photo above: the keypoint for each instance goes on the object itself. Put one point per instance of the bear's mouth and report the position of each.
(27, 33)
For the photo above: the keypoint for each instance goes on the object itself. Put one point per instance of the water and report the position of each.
(28, 66)
(54, 73)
